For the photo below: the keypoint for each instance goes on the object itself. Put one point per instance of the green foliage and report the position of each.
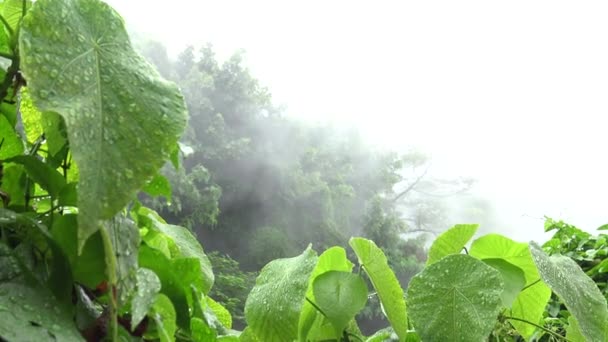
(579, 293)
(231, 286)
(530, 303)
(452, 241)
(82, 259)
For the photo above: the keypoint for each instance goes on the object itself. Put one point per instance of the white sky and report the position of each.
(513, 93)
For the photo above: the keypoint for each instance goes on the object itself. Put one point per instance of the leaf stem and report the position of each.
(531, 284)
(10, 30)
(539, 327)
(316, 307)
(110, 260)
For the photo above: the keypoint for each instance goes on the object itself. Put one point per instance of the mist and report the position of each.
(508, 94)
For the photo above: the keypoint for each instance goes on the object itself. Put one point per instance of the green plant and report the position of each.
(81, 258)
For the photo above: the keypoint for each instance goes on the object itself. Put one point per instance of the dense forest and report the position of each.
(114, 173)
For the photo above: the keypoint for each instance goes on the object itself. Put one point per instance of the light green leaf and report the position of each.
(11, 142)
(333, 259)
(578, 292)
(201, 331)
(220, 312)
(14, 183)
(12, 11)
(341, 295)
(451, 241)
(36, 122)
(455, 299)
(385, 282)
(573, 331)
(148, 285)
(158, 186)
(42, 173)
(273, 307)
(186, 246)
(29, 314)
(163, 315)
(122, 118)
(530, 303)
(30, 116)
(512, 276)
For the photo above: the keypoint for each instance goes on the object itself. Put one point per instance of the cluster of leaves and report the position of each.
(588, 251)
(80, 257)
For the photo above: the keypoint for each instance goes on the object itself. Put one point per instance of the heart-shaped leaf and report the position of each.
(123, 120)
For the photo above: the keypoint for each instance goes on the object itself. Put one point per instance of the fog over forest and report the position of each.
(511, 95)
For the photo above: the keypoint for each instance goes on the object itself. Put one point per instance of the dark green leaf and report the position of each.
(123, 120)
(148, 285)
(29, 314)
(455, 299)
(175, 278)
(578, 292)
(341, 295)
(385, 282)
(273, 307)
(451, 241)
(88, 268)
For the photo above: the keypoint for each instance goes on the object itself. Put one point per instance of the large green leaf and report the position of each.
(385, 282)
(451, 241)
(122, 119)
(341, 295)
(28, 314)
(333, 259)
(530, 303)
(455, 299)
(578, 292)
(512, 276)
(273, 307)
